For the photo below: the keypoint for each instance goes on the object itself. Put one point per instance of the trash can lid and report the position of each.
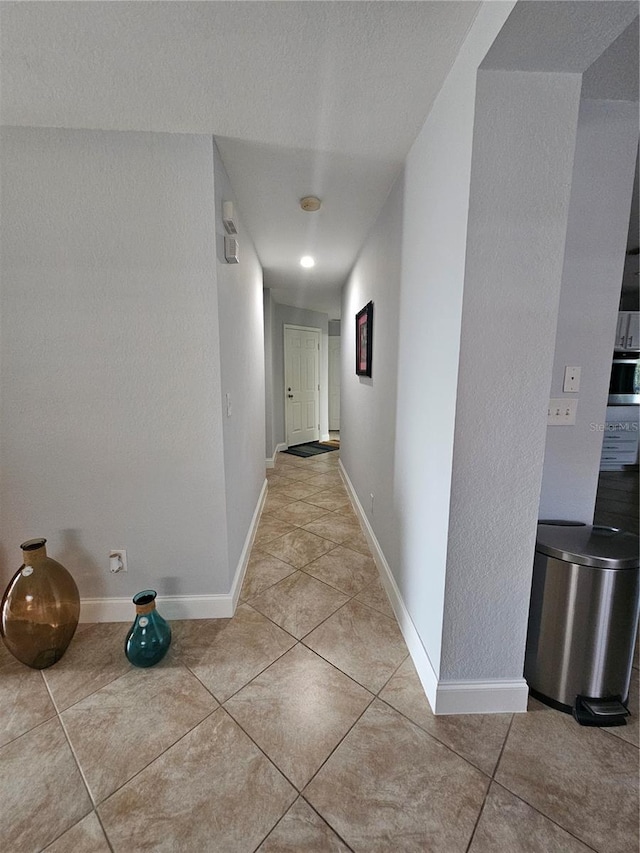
(600, 547)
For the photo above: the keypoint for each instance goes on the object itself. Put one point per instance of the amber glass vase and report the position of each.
(40, 608)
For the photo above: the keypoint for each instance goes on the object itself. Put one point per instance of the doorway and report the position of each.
(301, 384)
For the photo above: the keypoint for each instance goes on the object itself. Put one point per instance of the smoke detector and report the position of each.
(310, 203)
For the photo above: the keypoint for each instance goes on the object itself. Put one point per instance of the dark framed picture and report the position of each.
(364, 340)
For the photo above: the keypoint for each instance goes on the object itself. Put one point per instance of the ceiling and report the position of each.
(320, 98)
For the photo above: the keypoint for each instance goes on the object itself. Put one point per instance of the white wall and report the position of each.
(601, 191)
(368, 404)
(479, 280)
(523, 147)
(437, 178)
(111, 387)
(242, 371)
(298, 317)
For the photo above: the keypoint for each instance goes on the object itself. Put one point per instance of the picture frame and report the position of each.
(364, 340)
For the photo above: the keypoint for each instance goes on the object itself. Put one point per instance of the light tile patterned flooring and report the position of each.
(298, 726)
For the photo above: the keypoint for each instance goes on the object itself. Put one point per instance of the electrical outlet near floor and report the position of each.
(562, 411)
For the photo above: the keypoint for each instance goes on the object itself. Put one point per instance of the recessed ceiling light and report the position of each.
(307, 261)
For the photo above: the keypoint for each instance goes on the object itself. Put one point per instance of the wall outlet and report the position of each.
(118, 561)
(562, 411)
(571, 380)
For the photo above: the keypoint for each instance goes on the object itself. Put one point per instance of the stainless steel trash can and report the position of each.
(583, 620)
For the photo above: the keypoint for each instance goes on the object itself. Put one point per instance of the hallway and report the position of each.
(298, 726)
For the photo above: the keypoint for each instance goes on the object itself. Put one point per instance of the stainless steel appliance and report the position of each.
(583, 620)
(624, 385)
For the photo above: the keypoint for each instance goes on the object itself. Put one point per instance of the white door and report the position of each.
(301, 384)
(334, 383)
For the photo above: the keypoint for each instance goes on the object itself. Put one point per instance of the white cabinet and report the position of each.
(627, 332)
(620, 441)
(633, 327)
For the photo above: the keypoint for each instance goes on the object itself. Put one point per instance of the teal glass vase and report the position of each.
(149, 637)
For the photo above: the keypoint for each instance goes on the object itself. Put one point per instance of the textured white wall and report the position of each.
(368, 405)
(111, 415)
(437, 175)
(601, 190)
(523, 147)
(242, 372)
(297, 317)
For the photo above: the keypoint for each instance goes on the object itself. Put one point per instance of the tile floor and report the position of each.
(298, 726)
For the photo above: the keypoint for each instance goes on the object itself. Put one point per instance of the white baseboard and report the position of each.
(419, 656)
(498, 696)
(180, 606)
(270, 462)
(236, 586)
(445, 697)
(170, 606)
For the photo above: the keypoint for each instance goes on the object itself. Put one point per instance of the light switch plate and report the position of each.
(562, 411)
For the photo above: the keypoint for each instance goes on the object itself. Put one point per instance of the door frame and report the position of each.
(300, 328)
(339, 377)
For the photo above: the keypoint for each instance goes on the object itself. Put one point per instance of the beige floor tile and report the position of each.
(302, 831)
(583, 779)
(275, 501)
(24, 700)
(338, 528)
(320, 468)
(298, 547)
(477, 737)
(299, 603)
(263, 571)
(509, 825)
(363, 643)
(300, 513)
(299, 474)
(324, 464)
(123, 727)
(330, 466)
(284, 465)
(284, 458)
(227, 653)
(212, 791)
(390, 786)
(297, 490)
(630, 732)
(347, 510)
(270, 528)
(330, 499)
(344, 569)
(41, 790)
(326, 481)
(298, 710)
(358, 543)
(374, 595)
(278, 478)
(94, 658)
(85, 837)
